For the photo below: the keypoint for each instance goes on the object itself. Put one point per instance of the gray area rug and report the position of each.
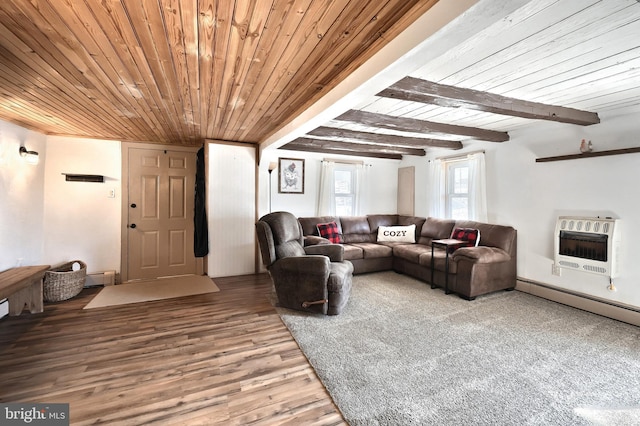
(404, 354)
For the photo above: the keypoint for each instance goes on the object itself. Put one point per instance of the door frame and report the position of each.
(124, 212)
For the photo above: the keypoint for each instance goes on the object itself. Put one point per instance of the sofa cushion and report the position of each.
(355, 229)
(411, 252)
(412, 220)
(352, 252)
(377, 220)
(403, 234)
(373, 250)
(435, 229)
(330, 232)
(421, 255)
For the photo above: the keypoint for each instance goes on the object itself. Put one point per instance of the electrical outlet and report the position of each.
(555, 270)
(112, 193)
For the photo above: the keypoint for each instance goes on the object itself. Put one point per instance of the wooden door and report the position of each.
(160, 213)
(406, 190)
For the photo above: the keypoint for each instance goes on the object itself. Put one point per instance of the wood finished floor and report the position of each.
(218, 358)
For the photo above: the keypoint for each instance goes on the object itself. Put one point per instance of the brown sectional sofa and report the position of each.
(473, 271)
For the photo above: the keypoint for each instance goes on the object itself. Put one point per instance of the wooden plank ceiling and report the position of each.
(185, 71)
(182, 71)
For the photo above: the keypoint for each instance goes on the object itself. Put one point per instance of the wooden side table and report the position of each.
(446, 244)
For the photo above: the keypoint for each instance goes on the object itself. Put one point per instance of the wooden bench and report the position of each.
(23, 286)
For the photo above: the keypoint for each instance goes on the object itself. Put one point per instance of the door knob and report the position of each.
(132, 226)
(133, 206)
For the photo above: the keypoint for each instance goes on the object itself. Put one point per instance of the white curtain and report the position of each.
(326, 200)
(436, 187)
(326, 195)
(361, 189)
(477, 187)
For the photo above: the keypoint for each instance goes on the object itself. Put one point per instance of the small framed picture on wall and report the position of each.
(291, 175)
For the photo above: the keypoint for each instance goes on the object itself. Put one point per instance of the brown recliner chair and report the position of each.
(313, 278)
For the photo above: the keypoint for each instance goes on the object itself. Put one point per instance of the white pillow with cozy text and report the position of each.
(398, 234)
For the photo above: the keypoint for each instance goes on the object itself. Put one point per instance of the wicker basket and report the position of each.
(62, 282)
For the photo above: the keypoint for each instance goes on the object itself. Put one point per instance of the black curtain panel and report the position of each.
(201, 231)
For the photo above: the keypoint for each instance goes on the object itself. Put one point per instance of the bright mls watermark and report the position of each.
(34, 414)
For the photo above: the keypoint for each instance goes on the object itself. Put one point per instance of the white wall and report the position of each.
(231, 213)
(530, 196)
(380, 195)
(21, 197)
(47, 220)
(81, 221)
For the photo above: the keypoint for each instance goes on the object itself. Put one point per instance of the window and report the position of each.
(341, 189)
(344, 189)
(457, 190)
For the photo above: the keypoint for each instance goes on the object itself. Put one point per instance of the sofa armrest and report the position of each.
(335, 252)
(481, 254)
(304, 264)
(312, 240)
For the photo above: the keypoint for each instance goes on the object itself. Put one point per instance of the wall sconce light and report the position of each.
(30, 157)
(272, 166)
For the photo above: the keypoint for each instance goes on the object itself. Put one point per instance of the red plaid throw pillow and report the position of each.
(470, 235)
(330, 232)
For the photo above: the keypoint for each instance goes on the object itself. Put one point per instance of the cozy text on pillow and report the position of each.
(400, 234)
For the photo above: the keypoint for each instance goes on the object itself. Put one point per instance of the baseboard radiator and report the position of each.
(628, 314)
(100, 278)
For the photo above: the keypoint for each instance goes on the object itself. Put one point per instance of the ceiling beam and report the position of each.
(360, 147)
(382, 139)
(423, 91)
(413, 125)
(350, 148)
(293, 147)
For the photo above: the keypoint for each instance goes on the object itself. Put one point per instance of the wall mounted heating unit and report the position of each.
(588, 244)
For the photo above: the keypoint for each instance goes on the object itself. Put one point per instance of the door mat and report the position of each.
(149, 290)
